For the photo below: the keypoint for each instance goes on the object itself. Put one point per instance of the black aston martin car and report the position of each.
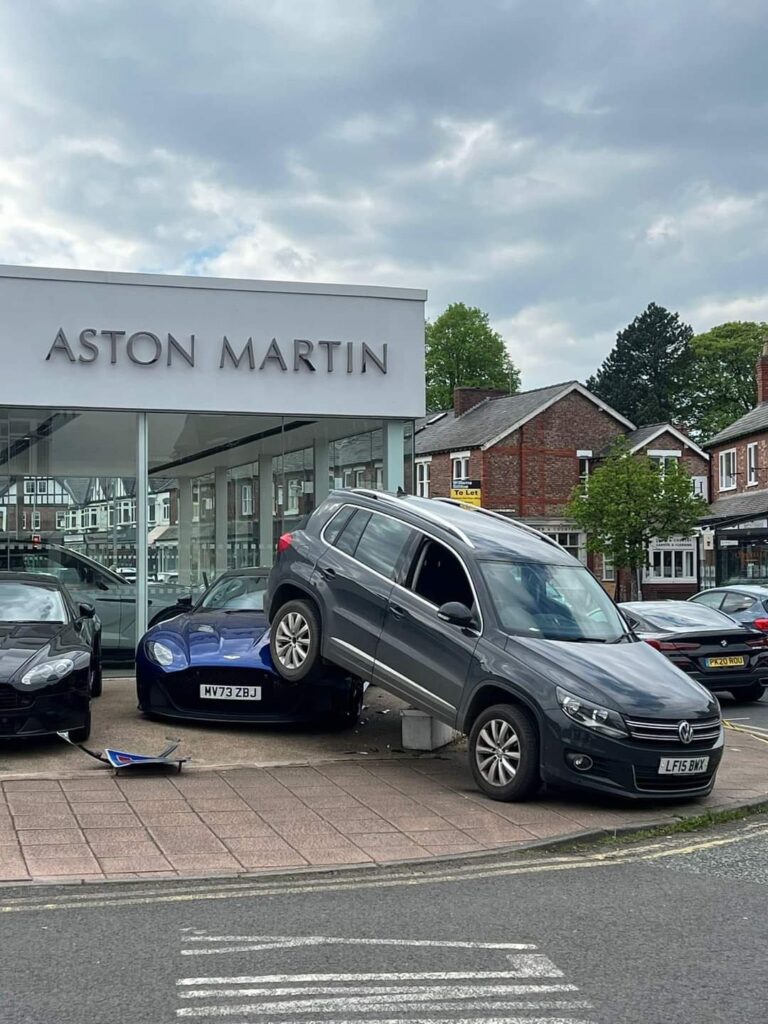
(49, 658)
(211, 662)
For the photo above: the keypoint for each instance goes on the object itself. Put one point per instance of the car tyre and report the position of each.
(294, 641)
(350, 707)
(504, 753)
(750, 693)
(81, 735)
(97, 681)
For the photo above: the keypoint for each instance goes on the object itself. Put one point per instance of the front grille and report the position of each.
(11, 699)
(649, 780)
(665, 731)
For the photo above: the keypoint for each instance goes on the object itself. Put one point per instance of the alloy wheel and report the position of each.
(292, 640)
(497, 752)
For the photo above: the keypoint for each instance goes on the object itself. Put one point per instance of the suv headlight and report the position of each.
(593, 716)
(160, 653)
(47, 672)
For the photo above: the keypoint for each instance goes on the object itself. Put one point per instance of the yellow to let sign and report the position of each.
(469, 495)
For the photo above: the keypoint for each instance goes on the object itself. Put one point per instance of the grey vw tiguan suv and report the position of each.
(496, 630)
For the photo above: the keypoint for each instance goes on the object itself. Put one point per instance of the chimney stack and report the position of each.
(762, 376)
(465, 398)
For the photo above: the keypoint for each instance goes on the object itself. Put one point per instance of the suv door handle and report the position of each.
(398, 611)
(328, 573)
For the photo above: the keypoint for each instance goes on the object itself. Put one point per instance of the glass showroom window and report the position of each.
(728, 470)
(422, 479)
(752, 464)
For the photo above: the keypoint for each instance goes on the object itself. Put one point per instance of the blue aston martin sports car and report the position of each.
(211, 663)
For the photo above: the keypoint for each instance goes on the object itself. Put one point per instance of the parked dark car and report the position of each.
(49, 658)
(88, 580)
(212, 663)
(497, 631)
(746, 603)
(722, 654)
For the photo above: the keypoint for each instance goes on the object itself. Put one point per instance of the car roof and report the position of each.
(484, 533)
(746, 588)
(40, 578)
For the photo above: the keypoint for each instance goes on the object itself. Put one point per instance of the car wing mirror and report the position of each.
(184, 602)
(87, 610)
(457, 614)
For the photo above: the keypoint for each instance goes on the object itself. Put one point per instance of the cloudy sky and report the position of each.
(560, 163)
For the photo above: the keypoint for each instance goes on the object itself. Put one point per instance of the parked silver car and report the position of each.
(88, 580)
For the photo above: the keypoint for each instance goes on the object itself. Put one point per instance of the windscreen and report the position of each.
(236, 593)
(552, 602)
(24, 602)
(684, 616)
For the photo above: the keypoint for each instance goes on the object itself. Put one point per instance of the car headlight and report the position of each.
(593, 716)
(48, 672)
(160, 653)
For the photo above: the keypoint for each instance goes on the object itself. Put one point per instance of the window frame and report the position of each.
(410, 555)
(752, 464)
(721, 457)
(423, 477)
(463, 459)
(416, 564)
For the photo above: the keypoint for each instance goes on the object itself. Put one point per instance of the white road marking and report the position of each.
(376, 990)
(544, 968)
(309, 940)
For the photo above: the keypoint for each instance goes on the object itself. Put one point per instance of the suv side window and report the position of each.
(737, 603)
(337, 523)
(440, 577)
(382, 544)
(352, 532)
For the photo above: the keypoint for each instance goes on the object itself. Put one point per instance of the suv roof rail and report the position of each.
(506, 519)
(386, 496)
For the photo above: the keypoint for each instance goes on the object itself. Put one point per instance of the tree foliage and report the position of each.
(629, 501)
(721, 386)
(463, 349)
(644, 376)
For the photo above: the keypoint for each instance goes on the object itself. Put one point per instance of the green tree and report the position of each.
(629, 501)
(721, 386)
(463, 349)
(644, 375)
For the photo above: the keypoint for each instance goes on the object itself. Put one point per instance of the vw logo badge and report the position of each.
(723, 643)
(685, 732)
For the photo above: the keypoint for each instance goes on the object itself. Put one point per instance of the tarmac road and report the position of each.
(665, 932)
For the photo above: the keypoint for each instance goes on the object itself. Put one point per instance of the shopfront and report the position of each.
(170, 428)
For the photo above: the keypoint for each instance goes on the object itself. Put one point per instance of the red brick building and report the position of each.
(738, 515)
(525, 454)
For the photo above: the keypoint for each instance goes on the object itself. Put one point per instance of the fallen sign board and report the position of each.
(469, 495)
(120, 759)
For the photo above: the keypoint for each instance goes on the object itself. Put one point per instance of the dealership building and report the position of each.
(174, 427)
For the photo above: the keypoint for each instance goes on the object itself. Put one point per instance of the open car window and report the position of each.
(439, 577)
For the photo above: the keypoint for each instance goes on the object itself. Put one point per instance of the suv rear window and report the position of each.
(382, 543)
(351, 533)
(737, 603)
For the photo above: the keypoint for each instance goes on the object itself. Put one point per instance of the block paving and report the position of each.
(94, 826)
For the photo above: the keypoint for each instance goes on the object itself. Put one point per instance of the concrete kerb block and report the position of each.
(420, 731)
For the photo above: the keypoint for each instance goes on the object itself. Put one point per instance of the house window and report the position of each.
(35, 520)
(460, 467)
(61, 520)
(166, 509)
(246, 500)
(126, 513)
(672, 561)
(752, 464)
(151, 512)
(422, 479)
(294, 490)
(574, 543)
(700, 486)
(42, 486)
(93, 516)
(663, 462)
(378, 475)
(23, 520)
(349, 480)
(728, 470)
(609, 573)
(359, 478)
(584, 472)
(3, 519)
(29, 486)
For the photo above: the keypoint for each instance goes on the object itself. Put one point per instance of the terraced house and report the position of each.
(522, 455)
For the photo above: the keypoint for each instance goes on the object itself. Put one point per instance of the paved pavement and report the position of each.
(335, 813)
(670, 932)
